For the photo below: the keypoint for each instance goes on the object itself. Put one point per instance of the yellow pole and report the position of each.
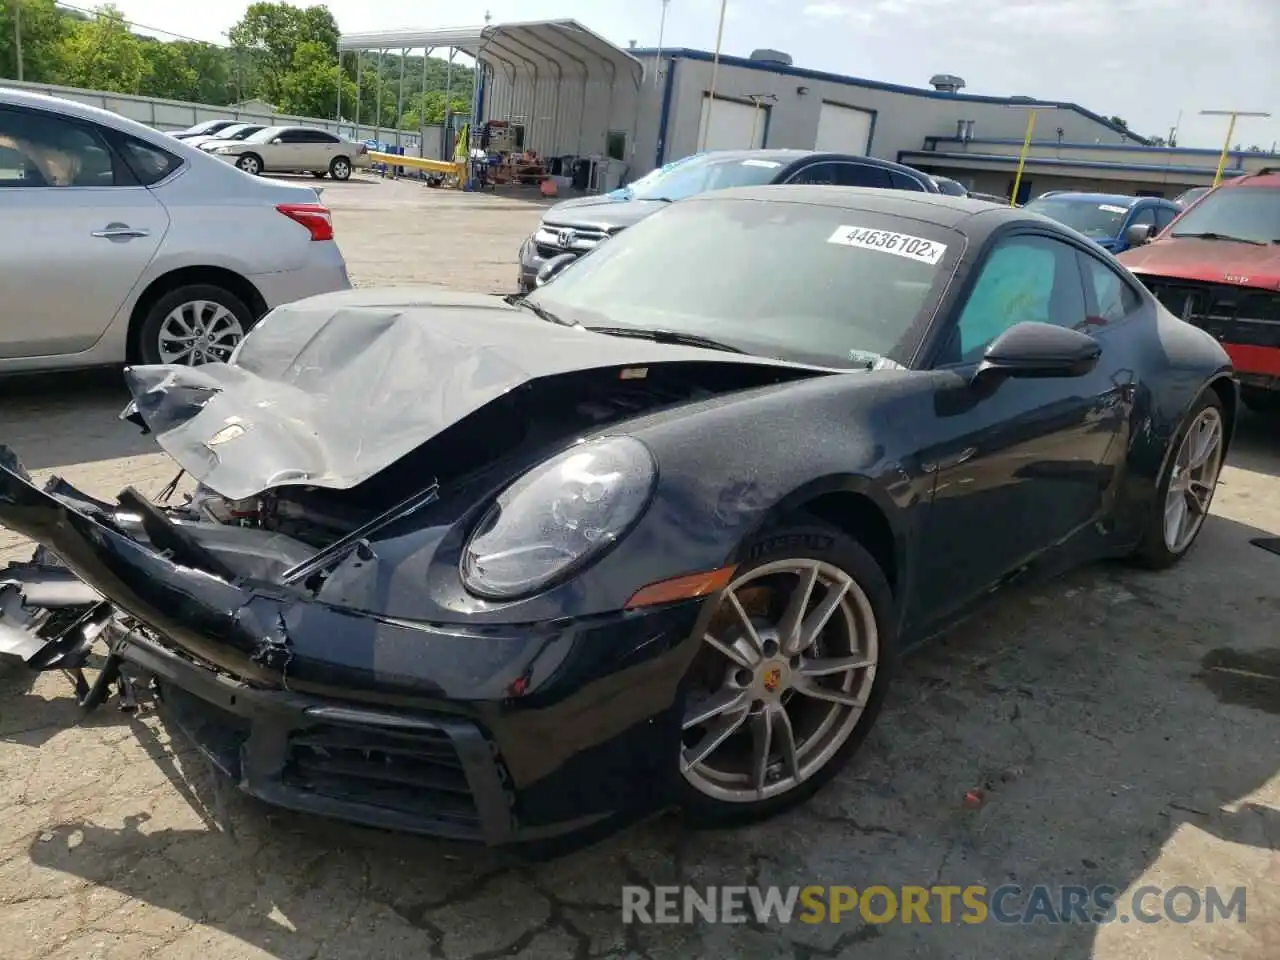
(715, 70)
(1022, 157)
(1226, 148)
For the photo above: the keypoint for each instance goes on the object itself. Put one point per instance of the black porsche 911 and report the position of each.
(651, 536)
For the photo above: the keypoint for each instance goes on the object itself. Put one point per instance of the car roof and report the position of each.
(937, 208)
(1267, 178)
(12, 97)
(1117, 199)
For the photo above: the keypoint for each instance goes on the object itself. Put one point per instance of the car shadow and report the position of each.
(1086, 732)
(1256, 446)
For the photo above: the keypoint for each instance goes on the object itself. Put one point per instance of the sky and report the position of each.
(1155, 63)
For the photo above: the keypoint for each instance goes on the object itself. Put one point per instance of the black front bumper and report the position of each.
(506, 735)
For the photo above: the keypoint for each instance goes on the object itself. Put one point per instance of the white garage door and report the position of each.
(843, 129)
(731, 125)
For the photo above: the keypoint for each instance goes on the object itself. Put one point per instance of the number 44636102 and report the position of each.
(887, 241)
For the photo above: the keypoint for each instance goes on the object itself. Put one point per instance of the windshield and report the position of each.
(828, 286)
(1243, 213)
(209, 126)
(266, 135)
(1191, 196)
(236, 131)
(700, 174)
(1096, 220)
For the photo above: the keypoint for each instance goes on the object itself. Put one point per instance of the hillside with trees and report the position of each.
(282, 54)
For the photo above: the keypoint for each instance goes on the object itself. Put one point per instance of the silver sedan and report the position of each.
(123, 244)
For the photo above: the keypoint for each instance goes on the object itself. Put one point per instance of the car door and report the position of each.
(79, 232)
(287, 151)
(320, 148)
(1022, 463)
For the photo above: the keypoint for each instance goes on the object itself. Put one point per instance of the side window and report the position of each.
(1146, 216)
(901, 181)
(290, 136)
(315, 136)
(1111, 298)
(43, 150)
(147, 163)
(820, 173)
(1024, 279)
(1165, 216)
(862, 175)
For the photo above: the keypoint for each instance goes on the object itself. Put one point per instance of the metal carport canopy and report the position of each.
(562, 47)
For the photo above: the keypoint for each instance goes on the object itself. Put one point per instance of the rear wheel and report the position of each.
(1186, 488)
(250, 163)
(1260, 400)
(192, 325)
(340, 168)
(790, 677)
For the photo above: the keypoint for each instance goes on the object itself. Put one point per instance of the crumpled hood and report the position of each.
(601, 214)
(328, 391)
(1213, 261)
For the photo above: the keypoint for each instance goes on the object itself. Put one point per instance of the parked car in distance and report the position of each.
(952, 188)
(295, 150)
(1218, 267)
(206, 128)
(138, 248)
(575, 227)
(656, 535)
(1188, 197)
(237, 131)
(1105, 218)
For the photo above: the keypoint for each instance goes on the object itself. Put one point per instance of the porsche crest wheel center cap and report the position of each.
(773, 678)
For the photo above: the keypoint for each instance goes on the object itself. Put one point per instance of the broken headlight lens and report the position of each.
(557, 517)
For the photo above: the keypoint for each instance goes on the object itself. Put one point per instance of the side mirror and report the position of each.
(1029, 350)
(278, 140)
(553, 268)
(1139, 234)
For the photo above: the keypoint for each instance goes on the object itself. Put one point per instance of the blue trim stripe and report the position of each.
(1067, 145)
(746, 63)
(913, 157)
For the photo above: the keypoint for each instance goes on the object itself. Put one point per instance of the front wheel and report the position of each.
(340, 168)
(250, 163)
(790, 676)
(1187, 485)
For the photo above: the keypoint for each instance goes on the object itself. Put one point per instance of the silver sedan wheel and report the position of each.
(197, 332)
(1192, 481)
(787, 666)
(249, 165)
(341, 170)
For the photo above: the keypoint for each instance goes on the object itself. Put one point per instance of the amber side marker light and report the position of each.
(682, 588)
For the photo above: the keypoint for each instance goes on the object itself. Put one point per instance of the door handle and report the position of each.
(118, 231)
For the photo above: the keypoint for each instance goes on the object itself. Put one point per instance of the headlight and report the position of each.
(225, 150)
(557, 517)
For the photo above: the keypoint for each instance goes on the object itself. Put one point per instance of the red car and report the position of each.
(1218, 266)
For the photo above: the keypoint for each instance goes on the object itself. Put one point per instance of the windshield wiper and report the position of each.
(1209, 235)
(666, 336)
(539, 311)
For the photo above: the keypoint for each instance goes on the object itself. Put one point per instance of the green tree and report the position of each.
(274, 32)
(310, 88)
(169, 73)
(103, 54)
(43, 26)
(429, 109)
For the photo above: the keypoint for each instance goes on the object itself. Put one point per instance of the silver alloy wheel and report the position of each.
(1192, 480)
(341, 169)
(249, 164)
(790, 687)
(200, 331)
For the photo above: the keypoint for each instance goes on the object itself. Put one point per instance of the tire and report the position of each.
(340, 168)
(1155, 551)
(319, 174)
(826, 735)
(1260, 400)
(250, 163)
(225, 314)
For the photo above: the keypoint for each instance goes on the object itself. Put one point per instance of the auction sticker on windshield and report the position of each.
(886, 241)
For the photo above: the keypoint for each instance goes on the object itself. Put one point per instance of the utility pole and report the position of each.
(715, 69)
(662, 29)
(1231, 129)
(17, 34)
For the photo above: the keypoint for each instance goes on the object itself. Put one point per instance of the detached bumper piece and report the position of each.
(432, 775)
